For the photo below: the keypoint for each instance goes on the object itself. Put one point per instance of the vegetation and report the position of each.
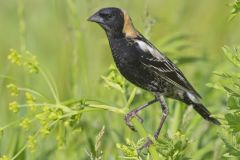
(62, 97)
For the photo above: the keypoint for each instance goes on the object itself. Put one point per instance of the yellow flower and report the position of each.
(31, 144)
(25, 123)
(15, 57)
(45, 130)
(30, 100)
(13, 89)
(13, 106)
(31, 62)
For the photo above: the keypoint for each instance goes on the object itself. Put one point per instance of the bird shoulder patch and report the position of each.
(128, 28)
(149, 49)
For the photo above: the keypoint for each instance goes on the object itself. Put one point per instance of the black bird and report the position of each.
(141, 63)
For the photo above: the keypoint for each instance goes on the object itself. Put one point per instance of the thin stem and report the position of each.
(19, 152)
(22, 25)
(75, 101)
(51, 79)
(75, 113)
(32, 91)
(131, 98)
(39, 105)
(64, 108)
(9, 125)
(109, 108)
(124, 97)
(50, 85)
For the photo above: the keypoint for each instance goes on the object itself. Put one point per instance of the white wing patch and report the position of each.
(147, 48)
(192, 97)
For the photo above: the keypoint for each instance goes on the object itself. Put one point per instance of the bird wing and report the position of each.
(152, 58)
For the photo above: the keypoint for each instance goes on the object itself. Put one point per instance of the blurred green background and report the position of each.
(76, 53)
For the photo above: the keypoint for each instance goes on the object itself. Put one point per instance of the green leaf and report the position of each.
(232, 147)
(232, 91)
(224, 75)
(173, 148)
(215, 86)
(114, 79)
(233, 54)
(112, 84)
(233, 120)
(233, 103)
(235, 10)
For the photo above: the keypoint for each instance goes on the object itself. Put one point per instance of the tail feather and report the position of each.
(191, 99)
(205, 113)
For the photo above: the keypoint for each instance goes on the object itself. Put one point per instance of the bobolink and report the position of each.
(141, 63)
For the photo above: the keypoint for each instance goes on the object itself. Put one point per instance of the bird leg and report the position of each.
(134, 113)
(164, 107)
(164, 115)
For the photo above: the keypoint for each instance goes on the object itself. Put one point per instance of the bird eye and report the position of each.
(109, 16)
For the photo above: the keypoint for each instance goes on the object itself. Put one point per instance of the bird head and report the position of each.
(116, 22)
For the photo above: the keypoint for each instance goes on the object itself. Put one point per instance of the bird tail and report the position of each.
(190, 99)
(203, 111)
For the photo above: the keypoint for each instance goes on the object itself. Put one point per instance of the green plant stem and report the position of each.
(50, 85)
(109, 108)
(32, 91)
(19, 152)
(9, 125)
(130, 99)
(22, 25)
(143, 133)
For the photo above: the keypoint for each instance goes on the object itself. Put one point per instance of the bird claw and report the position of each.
(145, 145)
(139, 118)
(130, 116)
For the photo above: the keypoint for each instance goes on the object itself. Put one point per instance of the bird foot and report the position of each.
(146, 145)
(130, 116)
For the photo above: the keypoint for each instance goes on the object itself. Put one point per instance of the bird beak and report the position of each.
(95, 18)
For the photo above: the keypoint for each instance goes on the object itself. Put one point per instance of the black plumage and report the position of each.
(145, 66)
